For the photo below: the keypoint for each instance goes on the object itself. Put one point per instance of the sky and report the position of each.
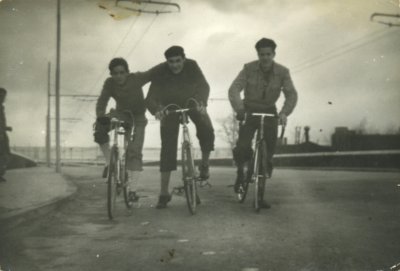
(344, 66)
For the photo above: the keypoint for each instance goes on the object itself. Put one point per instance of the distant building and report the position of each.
(348, 140)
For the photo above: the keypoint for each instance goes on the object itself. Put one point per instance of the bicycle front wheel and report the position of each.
(188, 177)
(260, 174)
(112, 182)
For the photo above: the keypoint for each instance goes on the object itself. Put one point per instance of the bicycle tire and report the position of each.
(189, 178)
(112, 182)
(255, 175)
(259, 187)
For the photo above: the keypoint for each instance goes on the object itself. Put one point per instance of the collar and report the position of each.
(272, 70)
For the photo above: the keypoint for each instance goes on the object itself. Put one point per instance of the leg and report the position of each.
(168, 162)
(169, 143)
(205, 134)
(101, 137)
(243, 152)
(134, 153)
(105, 149)
(165, 196)
(3, 166)
(270, 135)
(165, 178)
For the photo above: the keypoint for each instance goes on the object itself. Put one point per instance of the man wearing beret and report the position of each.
(177, 81)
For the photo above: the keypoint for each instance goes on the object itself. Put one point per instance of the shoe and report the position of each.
(105, 172)
(204, 172)
(163, 201)
(133, 197)
(239, 181)
(2, 179)
(263, 204)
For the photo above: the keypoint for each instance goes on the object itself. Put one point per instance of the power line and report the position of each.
(334, 50)
(104, 70)
(133, 48)
(335, 55)
(141, 37)
(115, 52)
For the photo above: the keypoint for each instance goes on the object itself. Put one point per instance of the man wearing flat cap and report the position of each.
(178, 81)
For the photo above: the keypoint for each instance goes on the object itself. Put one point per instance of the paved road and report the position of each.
(319, 220)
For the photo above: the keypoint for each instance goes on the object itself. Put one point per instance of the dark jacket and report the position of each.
(169, 88)
(127, 97)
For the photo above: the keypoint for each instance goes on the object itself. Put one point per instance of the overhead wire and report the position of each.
(337, 53)
(130, 52)
(123, 39)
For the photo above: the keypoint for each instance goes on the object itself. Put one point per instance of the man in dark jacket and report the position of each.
(4, 143)
(126, 89)
(177, 81)
(262, 81)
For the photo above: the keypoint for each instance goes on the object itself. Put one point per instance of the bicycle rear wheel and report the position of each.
(189, 178)
(112, 181)
(260, 175)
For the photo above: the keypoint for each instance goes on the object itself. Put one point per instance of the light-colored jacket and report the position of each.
(258, 91)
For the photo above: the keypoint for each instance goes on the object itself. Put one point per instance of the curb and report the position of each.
(18, 216)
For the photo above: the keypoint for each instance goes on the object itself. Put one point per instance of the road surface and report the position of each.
(319, 220)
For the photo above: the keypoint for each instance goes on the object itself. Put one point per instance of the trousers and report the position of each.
(169, 137)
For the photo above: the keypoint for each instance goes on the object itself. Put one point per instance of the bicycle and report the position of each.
(117, 178)
(258, 167)
(189, 175)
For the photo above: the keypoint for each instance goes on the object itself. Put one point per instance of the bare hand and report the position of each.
(202, 109)
(160, 115)
(282, 119)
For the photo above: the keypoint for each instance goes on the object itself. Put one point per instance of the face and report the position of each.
(175, 64)
(119, 74)
(266, 56)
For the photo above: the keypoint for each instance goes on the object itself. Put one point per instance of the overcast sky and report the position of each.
(345, 67)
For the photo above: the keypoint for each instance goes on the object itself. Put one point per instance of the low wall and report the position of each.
(369, 159)
(19, 161)
(355, 159)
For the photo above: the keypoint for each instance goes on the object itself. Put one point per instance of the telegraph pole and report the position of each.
(58, 147)
(48, 133)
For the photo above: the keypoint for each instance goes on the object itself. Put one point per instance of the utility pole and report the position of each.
(48, 128)
(58, 147)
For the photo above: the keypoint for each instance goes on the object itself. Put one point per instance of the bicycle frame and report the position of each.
(117, 176)
(189, 175)
(259, 169)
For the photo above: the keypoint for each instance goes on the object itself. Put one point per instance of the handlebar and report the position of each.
(180, 109)
(263, 115)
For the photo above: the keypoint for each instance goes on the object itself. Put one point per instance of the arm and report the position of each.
(202, 88)
(290, 94)
(147, 76)
(237, 86)
(103, 99)
(153, 104)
